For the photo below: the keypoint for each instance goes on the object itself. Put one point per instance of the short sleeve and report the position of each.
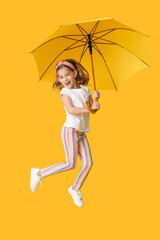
(89, 92)
(64, 91)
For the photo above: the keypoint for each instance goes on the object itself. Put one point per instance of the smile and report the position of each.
(67, 83)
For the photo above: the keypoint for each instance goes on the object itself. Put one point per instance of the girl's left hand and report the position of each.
(96, 94)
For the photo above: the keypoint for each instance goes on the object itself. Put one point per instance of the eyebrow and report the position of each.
(64, 74)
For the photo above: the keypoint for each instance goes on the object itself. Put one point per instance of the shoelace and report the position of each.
(41, 180)
(79, 194)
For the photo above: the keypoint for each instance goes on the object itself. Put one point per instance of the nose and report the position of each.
(65, 79)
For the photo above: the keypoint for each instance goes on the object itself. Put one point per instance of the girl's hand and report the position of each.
(96, 94)
(96, 105)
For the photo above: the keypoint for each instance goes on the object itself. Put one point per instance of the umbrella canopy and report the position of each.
(118, 51)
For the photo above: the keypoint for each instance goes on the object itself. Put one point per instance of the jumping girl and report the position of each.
(71, 80)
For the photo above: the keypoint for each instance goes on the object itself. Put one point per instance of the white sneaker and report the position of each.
(77, 196)
(35, 179)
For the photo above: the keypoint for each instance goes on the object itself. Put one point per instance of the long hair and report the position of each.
(82, 74)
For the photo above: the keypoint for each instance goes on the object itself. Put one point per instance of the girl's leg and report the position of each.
(70, 142)
(85, 155)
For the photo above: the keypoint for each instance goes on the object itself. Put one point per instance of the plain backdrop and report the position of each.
(121, 193)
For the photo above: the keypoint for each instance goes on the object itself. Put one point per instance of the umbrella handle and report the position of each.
(93, 111)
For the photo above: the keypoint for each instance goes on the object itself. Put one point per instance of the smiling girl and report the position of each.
(71, 80)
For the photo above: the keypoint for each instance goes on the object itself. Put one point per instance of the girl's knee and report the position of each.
(89, 165)
(71, 166)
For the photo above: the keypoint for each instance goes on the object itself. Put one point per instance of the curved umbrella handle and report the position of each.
(90, 109)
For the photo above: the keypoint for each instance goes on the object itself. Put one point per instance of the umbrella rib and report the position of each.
(55, 59)
(132, 30)
(79, 27)
(94, 28)
(83, 52)
(74, 39)
(97, 49)
(103, 35)
(77, 46)
(65, 36)
(123, 48)
(104, 43)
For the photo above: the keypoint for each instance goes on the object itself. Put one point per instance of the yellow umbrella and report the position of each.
(117, 51)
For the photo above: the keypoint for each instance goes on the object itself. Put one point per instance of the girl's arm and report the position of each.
(72, 110)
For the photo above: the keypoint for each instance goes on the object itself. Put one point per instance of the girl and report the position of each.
(71, 78)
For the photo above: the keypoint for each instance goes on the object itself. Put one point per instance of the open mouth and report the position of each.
(67, 83)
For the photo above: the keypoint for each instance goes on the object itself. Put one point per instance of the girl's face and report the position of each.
(67, 77)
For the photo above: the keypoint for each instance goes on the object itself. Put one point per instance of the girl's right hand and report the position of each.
(96, 94)
(96, 105)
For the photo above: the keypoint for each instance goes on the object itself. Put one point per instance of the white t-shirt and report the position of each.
(78, 98)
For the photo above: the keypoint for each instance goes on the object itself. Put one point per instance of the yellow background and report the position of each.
(121, 194)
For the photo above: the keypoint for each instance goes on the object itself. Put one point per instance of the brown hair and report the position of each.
(82, 74)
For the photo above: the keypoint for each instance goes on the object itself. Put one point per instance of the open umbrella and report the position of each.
(117, 51)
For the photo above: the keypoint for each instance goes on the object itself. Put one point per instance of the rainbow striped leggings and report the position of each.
(75, 143)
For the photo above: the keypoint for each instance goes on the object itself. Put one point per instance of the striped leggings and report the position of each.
(75, 143)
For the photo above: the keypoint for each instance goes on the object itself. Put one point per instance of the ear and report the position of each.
(75, 73)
